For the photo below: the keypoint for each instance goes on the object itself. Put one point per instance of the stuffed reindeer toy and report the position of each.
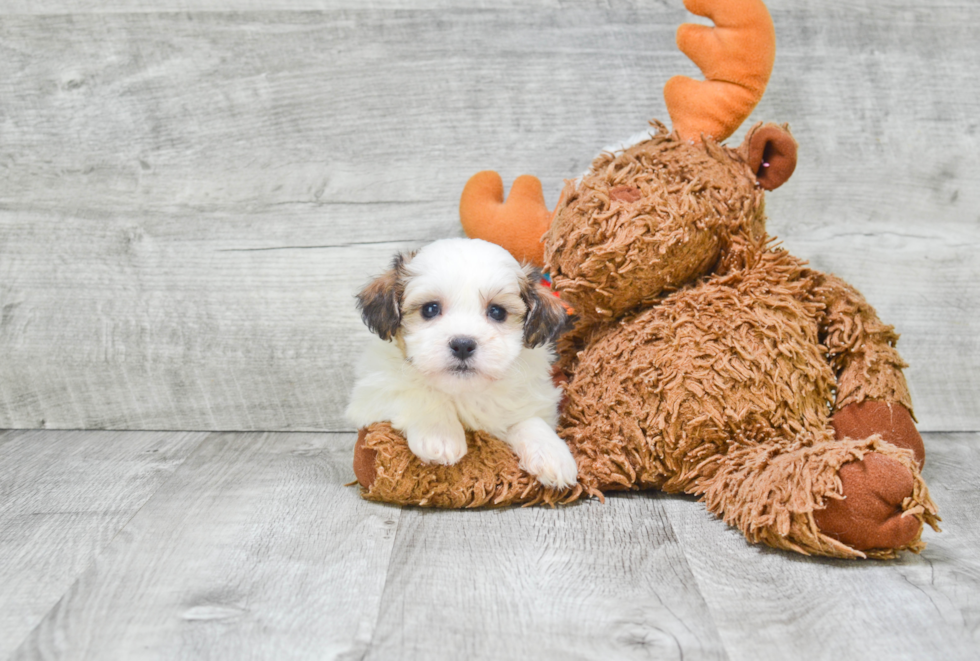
(704, 359)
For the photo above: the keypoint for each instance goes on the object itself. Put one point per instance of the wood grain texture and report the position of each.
(213, 337)
(773, 605)
(41, 7)
(255, 549)
(585, 582)
(140, 152)
(64, 496)
(949, 571)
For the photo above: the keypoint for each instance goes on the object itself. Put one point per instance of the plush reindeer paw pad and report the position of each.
(891, 421)
(871, 516)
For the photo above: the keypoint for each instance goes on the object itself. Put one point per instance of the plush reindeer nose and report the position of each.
(625, 194)
(462, 347)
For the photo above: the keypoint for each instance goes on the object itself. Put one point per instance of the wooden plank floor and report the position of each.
(249, 546)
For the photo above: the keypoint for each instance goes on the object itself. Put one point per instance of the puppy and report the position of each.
(464, 342)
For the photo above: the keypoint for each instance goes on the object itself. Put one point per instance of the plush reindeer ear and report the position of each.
(546, 317)
(380, 302)
(771, 153)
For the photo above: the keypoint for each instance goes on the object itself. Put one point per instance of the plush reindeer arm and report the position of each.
(872, 395)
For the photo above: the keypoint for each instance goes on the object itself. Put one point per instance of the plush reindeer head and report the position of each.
(657, 215)
(666, 211)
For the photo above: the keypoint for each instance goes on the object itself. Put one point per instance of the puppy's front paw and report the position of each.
(543, 454)
(438, 446)
(552, 468)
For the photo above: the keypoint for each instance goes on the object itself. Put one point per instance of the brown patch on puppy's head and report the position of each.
(380, 302)
(546, 317)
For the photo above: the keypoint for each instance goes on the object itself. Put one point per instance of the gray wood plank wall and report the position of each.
(192, 190)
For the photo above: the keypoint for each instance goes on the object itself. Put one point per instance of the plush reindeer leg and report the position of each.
(872, 401)
(775, 492)
(517, 225)
(489, 475)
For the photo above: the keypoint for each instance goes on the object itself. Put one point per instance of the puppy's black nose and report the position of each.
(462, 347)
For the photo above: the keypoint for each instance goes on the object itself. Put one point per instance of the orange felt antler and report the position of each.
(517, 224)
(736, 58)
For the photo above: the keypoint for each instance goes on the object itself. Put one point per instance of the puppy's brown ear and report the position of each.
(380, 302)
(546, 317)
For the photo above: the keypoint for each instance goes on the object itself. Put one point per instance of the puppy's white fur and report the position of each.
(415, 381)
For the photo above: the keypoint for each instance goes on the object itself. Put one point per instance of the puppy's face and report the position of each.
(461, 310)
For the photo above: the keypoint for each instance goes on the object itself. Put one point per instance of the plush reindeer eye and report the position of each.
(497, 313)
(430, 310)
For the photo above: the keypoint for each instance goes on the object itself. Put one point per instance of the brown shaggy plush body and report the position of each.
(706, 360)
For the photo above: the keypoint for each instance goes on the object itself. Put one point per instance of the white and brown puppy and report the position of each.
(465, 343)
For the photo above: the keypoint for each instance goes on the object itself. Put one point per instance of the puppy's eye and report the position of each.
(497, 313)
(430, 310)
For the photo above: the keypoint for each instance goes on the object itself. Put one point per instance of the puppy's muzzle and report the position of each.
(462, 347)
